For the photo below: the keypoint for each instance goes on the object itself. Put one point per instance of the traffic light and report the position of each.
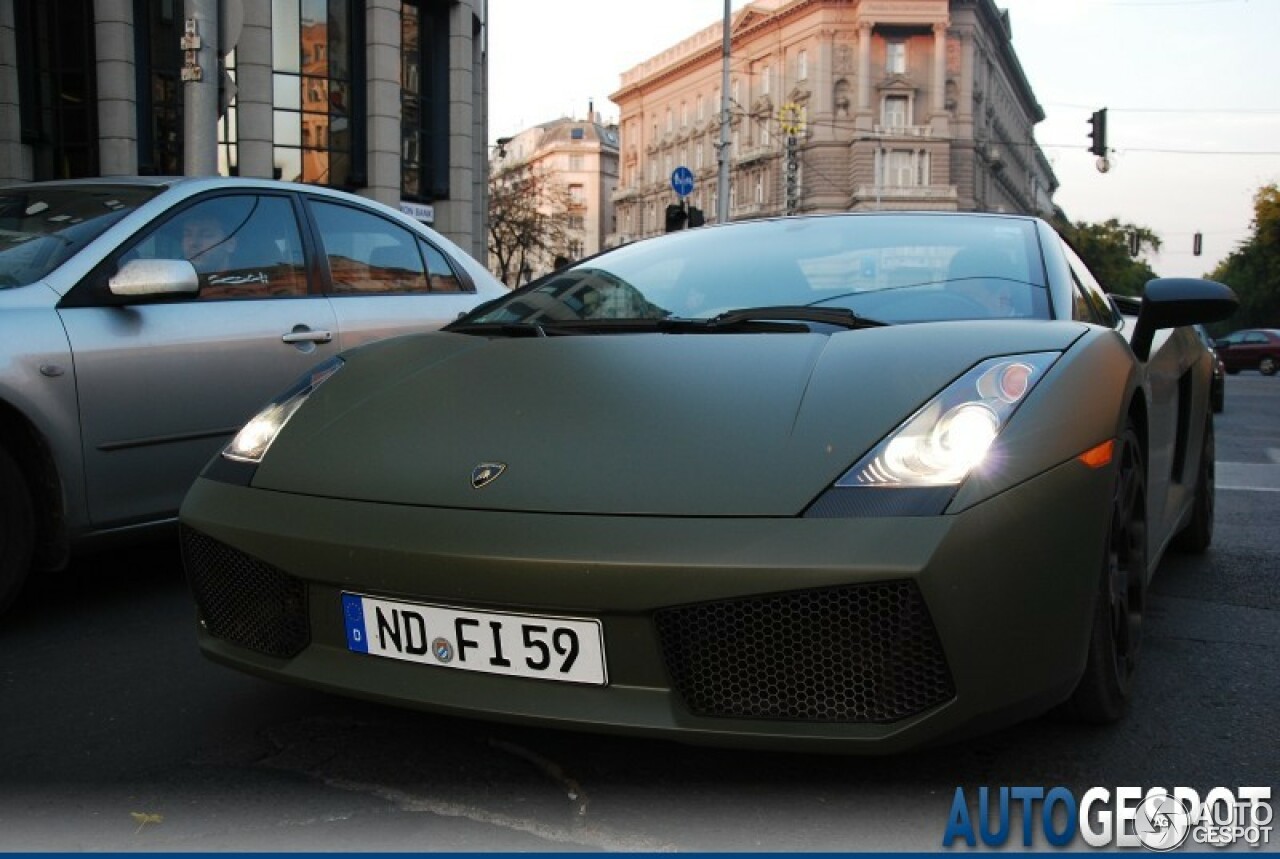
(1098, 133)
(1135, 243)
(676, 216)
(1196, 243)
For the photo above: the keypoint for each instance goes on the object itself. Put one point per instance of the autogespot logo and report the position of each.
(1158, 819)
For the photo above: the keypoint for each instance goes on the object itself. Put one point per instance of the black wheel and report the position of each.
(1268, 366)
(1103, 692)
(17, 525)
(1218, 396)
(1197, 534)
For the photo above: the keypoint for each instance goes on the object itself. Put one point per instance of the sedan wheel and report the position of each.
(1268, 366)
(17, 524)
(1103, 692)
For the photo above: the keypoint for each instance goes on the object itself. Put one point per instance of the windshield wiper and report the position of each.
(839, 316)
(778, 319)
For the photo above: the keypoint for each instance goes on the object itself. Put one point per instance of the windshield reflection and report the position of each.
(891, 267)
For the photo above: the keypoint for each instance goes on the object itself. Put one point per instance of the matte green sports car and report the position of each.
(845, 482)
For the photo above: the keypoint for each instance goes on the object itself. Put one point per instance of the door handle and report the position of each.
(307, 337)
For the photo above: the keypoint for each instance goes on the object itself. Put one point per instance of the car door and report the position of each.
(162, 385)
(1173, 436)
(384, 278)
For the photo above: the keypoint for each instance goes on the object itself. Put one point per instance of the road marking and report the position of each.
(1248, 476)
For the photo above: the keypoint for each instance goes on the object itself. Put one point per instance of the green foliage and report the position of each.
(1105, 250)
(1253, 269)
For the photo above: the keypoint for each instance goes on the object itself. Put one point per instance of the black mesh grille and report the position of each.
(243, 600)
(861, 653)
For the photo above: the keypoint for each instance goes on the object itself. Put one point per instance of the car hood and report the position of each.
(637, 424)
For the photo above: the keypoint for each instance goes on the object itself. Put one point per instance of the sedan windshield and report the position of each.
(41, 227)
(879, 267)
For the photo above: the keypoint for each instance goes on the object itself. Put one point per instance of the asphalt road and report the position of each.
(115, 734)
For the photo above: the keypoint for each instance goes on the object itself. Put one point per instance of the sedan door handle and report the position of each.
(308, 337)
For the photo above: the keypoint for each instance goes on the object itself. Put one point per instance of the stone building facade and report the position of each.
(580, 156)
(836, 105)
(385, 98)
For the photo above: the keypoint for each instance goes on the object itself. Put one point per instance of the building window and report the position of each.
(764, 80)
(57, 86)
(684, 114)
(896, 58)
(670, 121)
(424, 100)
(902, 168)
(760, 186)
(895, 111)
(577, 195)
(158, 70)
(229, 129)
(701, 108)
(319, 109)
(576, 163)
(802, 66)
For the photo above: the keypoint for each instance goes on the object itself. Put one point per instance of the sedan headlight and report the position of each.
(940, 444)
(255, 438)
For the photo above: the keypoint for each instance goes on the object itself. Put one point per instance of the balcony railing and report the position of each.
(904, 130)
(906, 192)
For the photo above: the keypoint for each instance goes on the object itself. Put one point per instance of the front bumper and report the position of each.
(968, 621)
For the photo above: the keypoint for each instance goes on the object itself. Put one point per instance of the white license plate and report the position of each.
(548, 648)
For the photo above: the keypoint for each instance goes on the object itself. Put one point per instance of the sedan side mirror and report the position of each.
(149, 278)
(1171, 302)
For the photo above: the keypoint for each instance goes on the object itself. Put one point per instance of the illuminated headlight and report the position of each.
(255, 438)
(940, 444)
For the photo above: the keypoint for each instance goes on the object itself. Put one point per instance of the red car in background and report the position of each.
(1251, 349)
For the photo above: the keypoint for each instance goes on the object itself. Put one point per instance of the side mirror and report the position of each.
(1171, 302)
(148, 278)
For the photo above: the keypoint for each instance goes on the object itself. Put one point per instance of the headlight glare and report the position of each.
(255, 437)
(952, 434)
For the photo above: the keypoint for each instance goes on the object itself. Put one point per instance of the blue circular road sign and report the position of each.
(682, 181)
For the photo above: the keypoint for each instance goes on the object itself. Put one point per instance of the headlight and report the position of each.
(255, 438)
(940, 444)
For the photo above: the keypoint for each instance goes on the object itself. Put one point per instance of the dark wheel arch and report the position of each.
(17, 529)
(1102, 694)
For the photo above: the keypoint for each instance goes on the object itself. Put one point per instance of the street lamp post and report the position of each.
(722, 180)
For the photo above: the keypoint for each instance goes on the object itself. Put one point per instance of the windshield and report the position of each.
(887, 267)
(41, 227)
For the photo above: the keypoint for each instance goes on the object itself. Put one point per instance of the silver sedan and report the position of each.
(143, 320)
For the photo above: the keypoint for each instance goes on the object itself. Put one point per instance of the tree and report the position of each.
(1253, 269)
(1106, 250)
(528, 222)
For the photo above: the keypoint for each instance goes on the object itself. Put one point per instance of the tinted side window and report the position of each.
(368, 253)
(1089, 292)
(242, 246)
(443, 277)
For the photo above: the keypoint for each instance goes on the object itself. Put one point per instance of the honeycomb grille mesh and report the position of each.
(243, 600)
(855, 654)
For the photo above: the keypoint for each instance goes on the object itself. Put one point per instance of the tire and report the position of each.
(1102, 695)
(1218, 397)
(17, 527)
(1197, 535)
(1268, 366)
